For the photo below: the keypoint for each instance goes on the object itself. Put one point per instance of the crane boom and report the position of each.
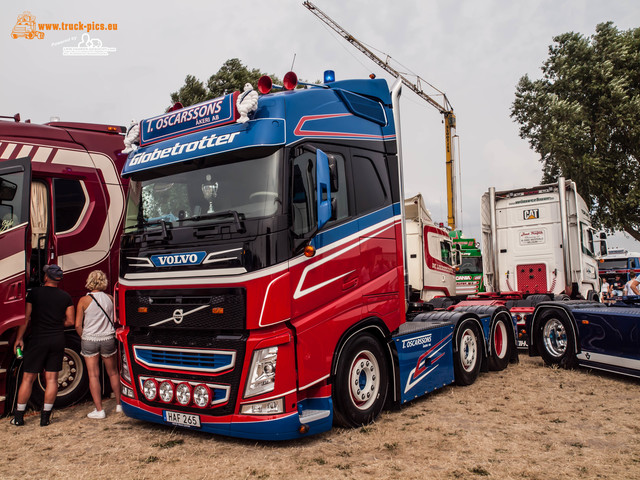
(445, 108)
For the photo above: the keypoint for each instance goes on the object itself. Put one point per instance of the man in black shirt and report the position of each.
(49, 310)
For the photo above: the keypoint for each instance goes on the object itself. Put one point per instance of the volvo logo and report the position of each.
(178, 259)
(178, 315)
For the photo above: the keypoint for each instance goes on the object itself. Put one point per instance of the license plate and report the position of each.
(522, 344)
(180, 418)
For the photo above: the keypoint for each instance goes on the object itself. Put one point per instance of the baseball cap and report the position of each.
(54, 272)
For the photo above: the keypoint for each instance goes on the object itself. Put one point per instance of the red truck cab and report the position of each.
(61, 201)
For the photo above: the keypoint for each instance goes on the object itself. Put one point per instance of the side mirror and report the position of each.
(333, 171)
(603, 244)
(457, 256)
(323, 188)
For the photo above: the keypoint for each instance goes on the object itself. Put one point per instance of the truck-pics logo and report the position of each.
(178, 259)
(26, 27)
(531, 213)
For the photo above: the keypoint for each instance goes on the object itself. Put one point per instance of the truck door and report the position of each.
(43, 248)
(15, 177)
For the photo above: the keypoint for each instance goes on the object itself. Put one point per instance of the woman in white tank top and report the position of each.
(95, 325)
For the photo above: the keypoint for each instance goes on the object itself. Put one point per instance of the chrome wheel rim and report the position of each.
(555, 337)
(468, 350)
(364, 380)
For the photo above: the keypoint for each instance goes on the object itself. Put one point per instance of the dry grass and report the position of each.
(528, 422)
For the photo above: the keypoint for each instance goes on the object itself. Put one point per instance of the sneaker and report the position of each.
(118, 408)
(45, 417)
(18, 418)
(97, 415)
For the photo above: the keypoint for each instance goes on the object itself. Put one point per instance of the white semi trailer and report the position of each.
(539, 240)
(432, 257)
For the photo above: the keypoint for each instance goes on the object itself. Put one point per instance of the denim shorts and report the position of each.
(106, 347)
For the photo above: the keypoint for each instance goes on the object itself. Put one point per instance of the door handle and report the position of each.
(349, 283)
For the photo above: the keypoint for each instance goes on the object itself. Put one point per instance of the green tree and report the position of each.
(232, 76)
(583, 119)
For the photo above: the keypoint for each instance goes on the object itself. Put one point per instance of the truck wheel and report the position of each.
(555, 340)
(593, 296)
(73, 379)
(501, 345)
(563, 297)
(468, 359)
(361, 382)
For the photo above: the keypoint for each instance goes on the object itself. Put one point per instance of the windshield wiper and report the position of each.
(207, 216)
(164, 233)
(144, 223)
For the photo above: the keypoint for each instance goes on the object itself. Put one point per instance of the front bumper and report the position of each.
(274, 427)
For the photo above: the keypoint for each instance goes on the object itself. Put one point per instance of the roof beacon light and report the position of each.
(290, 81)
(329, 76)
(265, 84)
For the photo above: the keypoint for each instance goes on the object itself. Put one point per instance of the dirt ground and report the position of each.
(528, 422)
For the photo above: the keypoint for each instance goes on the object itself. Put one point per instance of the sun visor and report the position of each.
(256, 133)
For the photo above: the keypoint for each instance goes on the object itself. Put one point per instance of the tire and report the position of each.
(361, 382)
(593, 296)
(563, 297)
(467, 359)
(73, 379)
(501, 344)
(555, 340)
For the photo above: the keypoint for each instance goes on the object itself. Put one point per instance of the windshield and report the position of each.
(243, 189)
(620, 264)
(471, 265)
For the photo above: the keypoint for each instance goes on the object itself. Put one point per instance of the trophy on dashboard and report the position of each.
(210, 191)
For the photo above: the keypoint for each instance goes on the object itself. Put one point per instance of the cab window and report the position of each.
(70, 201)
(304, 192)
(445, 253)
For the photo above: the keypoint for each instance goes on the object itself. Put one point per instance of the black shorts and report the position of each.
(44, 353)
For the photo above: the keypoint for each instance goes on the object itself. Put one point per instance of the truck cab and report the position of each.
(619, 262)
(61, 202)
(432, 257)
(539, 240)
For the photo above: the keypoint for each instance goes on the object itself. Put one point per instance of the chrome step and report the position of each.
(308, 416)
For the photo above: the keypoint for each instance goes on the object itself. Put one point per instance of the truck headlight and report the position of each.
(125, 373)
(262, 374)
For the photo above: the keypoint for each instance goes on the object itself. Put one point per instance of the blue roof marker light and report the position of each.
(329, 76)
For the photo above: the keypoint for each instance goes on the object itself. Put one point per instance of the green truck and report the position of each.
(469, 278)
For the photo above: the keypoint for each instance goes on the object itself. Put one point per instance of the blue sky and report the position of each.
(473, 50)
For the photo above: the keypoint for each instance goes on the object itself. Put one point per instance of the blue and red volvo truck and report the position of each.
(262, 289)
